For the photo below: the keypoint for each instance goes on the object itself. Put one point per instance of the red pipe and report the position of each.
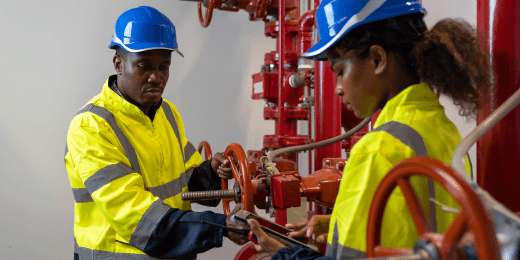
(498, 150)
(327, 112)
(281, 71)
(281, 215)
(305, 26)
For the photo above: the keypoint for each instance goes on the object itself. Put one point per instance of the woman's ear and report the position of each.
(118, 64)
(379, 58)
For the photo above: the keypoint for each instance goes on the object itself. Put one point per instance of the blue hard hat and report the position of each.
(144, 28)
(335, 18)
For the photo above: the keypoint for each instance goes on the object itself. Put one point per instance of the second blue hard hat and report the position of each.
(335, 18)
(144, 28)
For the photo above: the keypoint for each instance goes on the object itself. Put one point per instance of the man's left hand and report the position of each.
(220, 165)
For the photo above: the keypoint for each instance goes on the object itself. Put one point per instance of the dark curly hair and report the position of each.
(448, 57)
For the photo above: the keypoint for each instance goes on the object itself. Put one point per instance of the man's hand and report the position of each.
(267, 243)
(318, 225)
(220, 165)
(236, 238)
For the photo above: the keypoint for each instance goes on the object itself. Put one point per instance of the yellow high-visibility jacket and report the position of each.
(126, 171)
(411, 123)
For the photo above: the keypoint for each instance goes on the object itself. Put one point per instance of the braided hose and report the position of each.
(312, 146)
(458, 156)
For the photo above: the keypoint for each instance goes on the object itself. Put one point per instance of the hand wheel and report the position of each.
(242, 177)
(472, 213)
(204, 21)
(207, 150)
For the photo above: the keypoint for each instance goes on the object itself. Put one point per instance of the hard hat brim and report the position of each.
(140, 47)
(318, 51)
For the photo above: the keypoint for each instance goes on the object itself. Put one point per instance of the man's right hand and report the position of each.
(238, 239)
(318, 225)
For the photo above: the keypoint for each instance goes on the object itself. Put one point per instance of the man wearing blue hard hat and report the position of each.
(128, 158)
(386, 59)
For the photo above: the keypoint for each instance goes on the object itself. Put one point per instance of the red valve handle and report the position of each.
(242, 177)
(473, 213)
(204, 21)
(207, 150)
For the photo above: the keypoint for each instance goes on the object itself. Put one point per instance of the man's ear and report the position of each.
(379, 58)
(118, 64)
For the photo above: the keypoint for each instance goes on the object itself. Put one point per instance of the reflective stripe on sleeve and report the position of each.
(169, 115)
(189, 150)
(411, 138)
(92, 254)
(173, 187)
(110, 119)
(147, 224)
(81, 195)
(106, 175)
(406, 135)
(339, 251)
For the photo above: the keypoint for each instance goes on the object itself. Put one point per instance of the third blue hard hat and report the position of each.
(144, 28)
(335, 18)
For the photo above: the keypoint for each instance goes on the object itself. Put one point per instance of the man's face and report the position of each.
(142, 77)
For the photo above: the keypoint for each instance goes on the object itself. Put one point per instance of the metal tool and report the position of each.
(245, 232)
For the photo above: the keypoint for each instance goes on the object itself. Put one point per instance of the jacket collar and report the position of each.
(418, 96)
(118, 104)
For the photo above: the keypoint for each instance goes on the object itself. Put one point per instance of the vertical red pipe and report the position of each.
(281, 69)
(498, 151)
(327, 112)
(281, 215)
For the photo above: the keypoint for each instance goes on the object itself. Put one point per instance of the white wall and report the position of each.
(466, 9)
(54, 58)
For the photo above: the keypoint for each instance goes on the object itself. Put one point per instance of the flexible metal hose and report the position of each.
(312, 146)
(458, 156)
(502, 216)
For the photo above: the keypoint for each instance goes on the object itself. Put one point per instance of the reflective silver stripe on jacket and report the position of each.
(147, 224)
(106, 175)
(81, 195)
(169, 115)
(339, 251)
(92, 254)
(111, 121)
(189, 150)
(411, 138)
(173, 187)
(99, 179)
(168, 190)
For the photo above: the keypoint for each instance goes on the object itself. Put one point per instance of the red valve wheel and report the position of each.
(207, 150)
(204, 21)
(242, 177)
(472, 213)
(223, 183)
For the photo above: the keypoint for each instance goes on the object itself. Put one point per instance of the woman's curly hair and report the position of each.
(448, 57)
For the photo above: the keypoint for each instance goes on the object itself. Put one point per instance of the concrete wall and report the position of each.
(54, 59)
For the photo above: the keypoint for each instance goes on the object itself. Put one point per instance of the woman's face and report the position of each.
(358, 84)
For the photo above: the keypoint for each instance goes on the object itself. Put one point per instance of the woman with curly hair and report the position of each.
(386, 59)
